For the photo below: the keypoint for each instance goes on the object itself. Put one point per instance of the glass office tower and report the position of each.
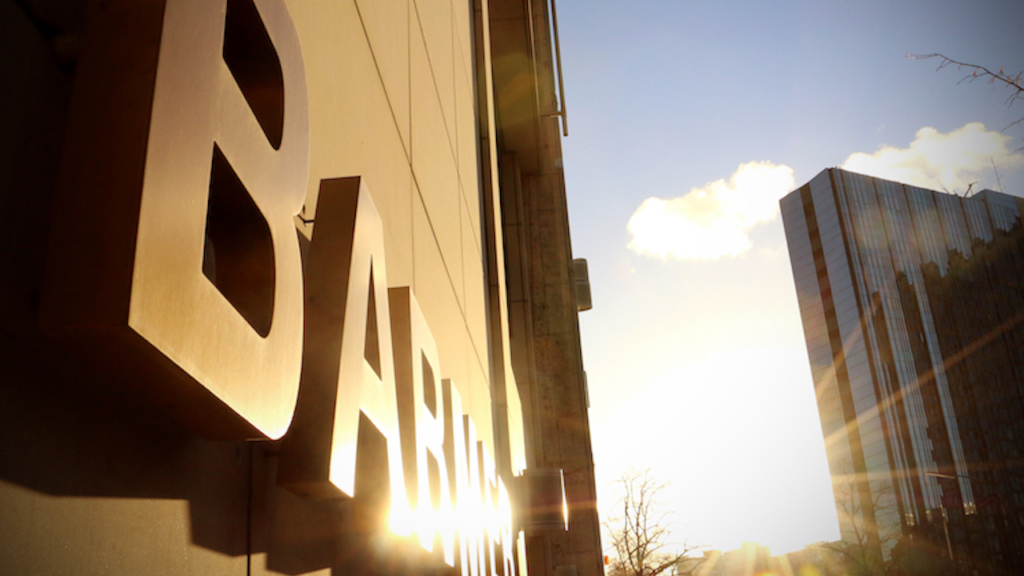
(911, 305)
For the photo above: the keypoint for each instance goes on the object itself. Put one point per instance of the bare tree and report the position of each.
(976, 72)
(640, 535)
(860, 550)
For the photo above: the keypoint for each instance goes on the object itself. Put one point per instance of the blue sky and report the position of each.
(696, 362)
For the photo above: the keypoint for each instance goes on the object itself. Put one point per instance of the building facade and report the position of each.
(912, 309)
(288, 289)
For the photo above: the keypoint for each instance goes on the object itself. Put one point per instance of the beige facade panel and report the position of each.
(387, 26)
(434, 165)
(355, 129)
(100, 536)
(476, 295)
(435, 23)
(438, 299)
(467, 143)
(462, 18)
(481, 403)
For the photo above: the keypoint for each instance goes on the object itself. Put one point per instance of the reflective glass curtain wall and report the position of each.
(859, 247)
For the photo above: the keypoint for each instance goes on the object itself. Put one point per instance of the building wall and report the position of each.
(545, 349)
(392, 99)
(97, 479)
(876, 345)
(978, 311)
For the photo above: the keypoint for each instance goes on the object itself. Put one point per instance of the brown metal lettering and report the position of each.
(422, 420)
(475, 501)
(458, 477)
(173, 258)
(348, 365)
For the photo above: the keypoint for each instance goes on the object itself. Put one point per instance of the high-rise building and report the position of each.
(912, 307)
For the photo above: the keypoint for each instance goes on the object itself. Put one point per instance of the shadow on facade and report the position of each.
(59, 442)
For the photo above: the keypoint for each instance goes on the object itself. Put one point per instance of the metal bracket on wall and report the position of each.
(558, 69)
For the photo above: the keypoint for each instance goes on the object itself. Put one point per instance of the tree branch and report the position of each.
(1013, 82)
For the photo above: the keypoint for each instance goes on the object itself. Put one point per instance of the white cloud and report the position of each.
(713, 221)
(949, 162)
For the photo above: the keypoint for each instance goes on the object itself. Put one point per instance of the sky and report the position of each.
(687, 122)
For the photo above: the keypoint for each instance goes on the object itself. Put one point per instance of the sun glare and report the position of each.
(750, 476)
